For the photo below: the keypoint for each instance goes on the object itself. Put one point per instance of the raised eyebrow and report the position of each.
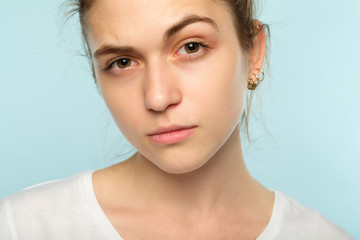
(187, 21)
(110, 49)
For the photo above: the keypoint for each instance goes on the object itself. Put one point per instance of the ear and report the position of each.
(257, 53)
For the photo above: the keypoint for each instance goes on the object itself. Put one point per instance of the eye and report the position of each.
(191, 48)
(120, 64)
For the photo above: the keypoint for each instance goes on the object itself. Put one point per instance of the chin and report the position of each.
(181, 162)
(188, 156)
(183, 169)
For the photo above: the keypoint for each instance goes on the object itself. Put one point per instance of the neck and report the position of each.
(222, 184)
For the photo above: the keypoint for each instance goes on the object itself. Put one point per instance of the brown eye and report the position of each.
(192, 47)
(123, 63)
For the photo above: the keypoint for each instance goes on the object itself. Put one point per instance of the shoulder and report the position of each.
(291, 218)
(45, 194)
(40, 204)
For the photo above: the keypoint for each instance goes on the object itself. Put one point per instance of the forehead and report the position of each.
(122, 20)
(146, 7)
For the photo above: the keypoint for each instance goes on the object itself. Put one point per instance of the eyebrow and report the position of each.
(111, 49)
(187, 21)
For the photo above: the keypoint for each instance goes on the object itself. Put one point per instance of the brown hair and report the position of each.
(243, 12)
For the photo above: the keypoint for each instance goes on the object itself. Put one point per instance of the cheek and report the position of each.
(233, 84)
(219, 84)
(124, 105)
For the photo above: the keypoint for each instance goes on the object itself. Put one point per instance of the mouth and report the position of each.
(172, 134)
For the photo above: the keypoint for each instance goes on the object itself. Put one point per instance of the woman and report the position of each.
(174, 75)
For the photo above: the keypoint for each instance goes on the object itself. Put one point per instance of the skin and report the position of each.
(198, 188)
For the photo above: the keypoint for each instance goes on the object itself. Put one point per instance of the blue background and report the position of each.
(53, 122)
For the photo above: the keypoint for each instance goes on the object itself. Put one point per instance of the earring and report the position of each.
(256, 27)
(253, 83)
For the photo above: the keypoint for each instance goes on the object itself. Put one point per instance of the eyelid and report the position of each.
(204, 47)
(108, 66)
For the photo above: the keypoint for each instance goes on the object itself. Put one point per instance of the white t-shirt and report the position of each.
(68, 209)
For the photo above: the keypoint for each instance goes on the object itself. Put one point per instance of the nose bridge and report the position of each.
(161, 86)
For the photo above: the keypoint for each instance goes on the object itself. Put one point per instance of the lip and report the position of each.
(171, 134)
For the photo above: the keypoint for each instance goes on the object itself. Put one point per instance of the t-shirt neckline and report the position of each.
(109, 230)
(96, 211)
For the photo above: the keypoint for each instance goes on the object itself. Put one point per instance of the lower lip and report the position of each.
(172, 137)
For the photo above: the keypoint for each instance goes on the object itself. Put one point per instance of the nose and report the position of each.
(161, 88)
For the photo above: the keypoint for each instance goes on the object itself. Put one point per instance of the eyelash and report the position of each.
(109, 66)
(200, 43)
(189, 55)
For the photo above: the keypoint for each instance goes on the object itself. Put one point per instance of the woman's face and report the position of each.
(166, 65)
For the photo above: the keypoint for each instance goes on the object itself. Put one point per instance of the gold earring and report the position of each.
(256, 27)
(253, 83)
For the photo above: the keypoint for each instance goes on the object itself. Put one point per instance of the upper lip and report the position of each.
(171, 128)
